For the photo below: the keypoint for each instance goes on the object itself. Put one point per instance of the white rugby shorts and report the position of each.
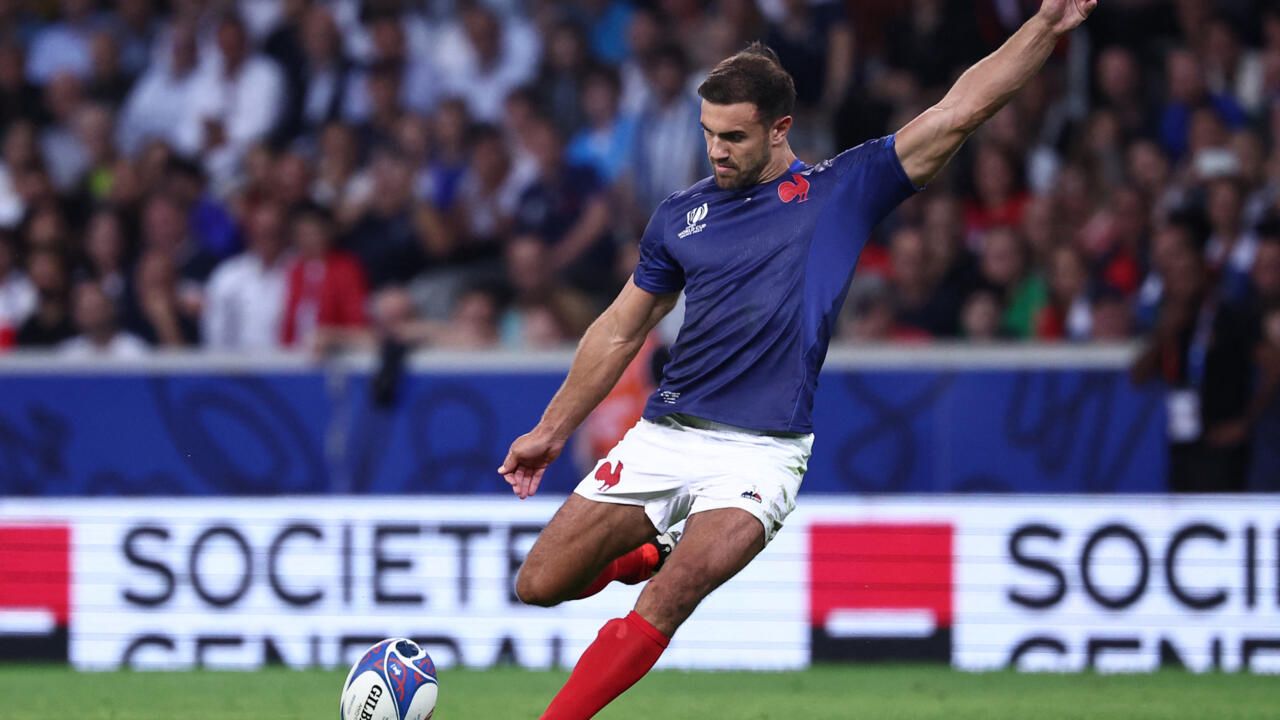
(673, 470)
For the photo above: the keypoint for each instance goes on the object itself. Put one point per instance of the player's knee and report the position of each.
(533, 588)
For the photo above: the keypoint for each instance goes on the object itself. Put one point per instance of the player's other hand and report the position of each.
(1063, 16)
(527, 459)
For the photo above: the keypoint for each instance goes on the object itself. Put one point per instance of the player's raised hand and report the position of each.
(1063, 16)
(527, 460)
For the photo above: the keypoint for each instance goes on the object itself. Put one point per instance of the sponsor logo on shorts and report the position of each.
(753, 494)
(608, 476)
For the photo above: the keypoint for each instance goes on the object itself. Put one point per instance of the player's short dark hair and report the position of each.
(756, 76)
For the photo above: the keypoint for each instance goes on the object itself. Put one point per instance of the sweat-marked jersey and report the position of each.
(765, 270)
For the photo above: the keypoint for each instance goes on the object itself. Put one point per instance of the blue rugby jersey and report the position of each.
(765, 270)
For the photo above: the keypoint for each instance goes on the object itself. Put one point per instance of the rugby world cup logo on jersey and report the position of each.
(694, 219)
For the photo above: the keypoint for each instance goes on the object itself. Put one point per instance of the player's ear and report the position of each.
(778, 133)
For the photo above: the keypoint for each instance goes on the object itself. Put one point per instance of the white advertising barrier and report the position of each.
(236, 583)
(1050, 583)
(1046, 583)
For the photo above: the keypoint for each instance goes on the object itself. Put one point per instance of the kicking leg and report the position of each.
(581, 543)
(715, 546)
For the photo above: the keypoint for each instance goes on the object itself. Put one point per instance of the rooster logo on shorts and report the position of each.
(608, 476)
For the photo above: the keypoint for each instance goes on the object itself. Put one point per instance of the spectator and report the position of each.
(19, 98)
(321, 80)
(1230, 69)
(337, 183)
(1203, 350)
(607, 24)
(1003, 268)
(815, 45)
(868, 313)
(326, 287)
(292, 180)
(99, 336)
(95, 128)
(1232, 247)
(105, 250)
(1120, 90)
(449, 155)
(244, 301)
(165, 228)
(209, 221)
(1185, 93)
(1112, 317)
(980, 316)
(1110, 242)
(64, 154)
(20, 153)
(1164, 246)
(952, 267)
(383, 112)
(236, 100)
(159, 103)
(107, 82)
(559, 81)
(542, 327)
(135, 29)
(669, 153)
(917, 307)
(386, 237)
(483, 58)
(50, 323)
(158, 315)
(473, 325)
(998, 199)
(488, 196)
(532, 284)
(417, 80)
(605, 143)
(17, 294)
(1067, 316)
(65, 46)
(644, 34)
(567, 207)
(1262, 417)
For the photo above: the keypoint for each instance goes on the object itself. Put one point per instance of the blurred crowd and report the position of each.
(252, 175)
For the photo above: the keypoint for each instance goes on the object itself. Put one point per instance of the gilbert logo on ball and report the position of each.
(393, 680)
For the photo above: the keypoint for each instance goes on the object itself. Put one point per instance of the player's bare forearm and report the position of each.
(929, 141)
(608, 346)
(605, 351)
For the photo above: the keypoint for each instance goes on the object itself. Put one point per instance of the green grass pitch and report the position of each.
(844, 693)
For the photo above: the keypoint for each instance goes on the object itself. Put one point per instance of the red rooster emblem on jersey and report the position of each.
(796, 188)
(609, 476)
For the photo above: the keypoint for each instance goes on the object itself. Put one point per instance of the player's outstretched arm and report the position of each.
(603, 354)
(926, 144)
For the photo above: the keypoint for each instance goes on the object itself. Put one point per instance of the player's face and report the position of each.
(738, 145)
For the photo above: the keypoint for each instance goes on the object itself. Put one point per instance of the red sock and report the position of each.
(636, 566)
(623, 652)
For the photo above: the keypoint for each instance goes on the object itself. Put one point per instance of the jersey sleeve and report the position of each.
(872, 177)
(657, 272)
